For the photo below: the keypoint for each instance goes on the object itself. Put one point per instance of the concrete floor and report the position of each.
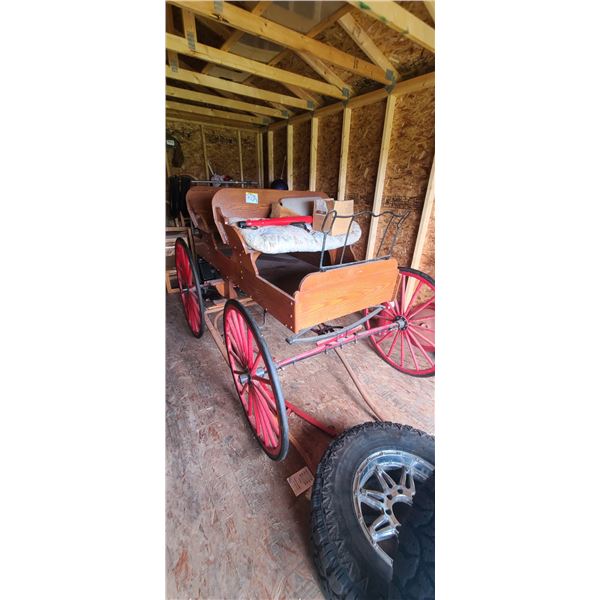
(234, 528)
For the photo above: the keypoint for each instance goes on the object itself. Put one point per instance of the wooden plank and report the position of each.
(270, 158)
(208, 174)
(381, 169)
(398, 18)
(312, 99)
(409, 86)
(233, 61)
(260, 160)
(173, 63)
(366, 44)
(344, 153)
(239, 136)
(314, 138)
(182, 94)
(430, 6)
(189, 28)
(328, 295)
(425, 218)
(326, 73)
(241, 19)
(236, 88)
(290, 157)
(210, 121)
(235, 37)
(213, 112)
(314, 32)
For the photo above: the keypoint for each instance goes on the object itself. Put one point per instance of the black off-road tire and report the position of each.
(414, 564)
(347, 565)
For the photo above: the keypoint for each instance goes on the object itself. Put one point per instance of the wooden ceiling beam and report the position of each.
(211, 112)
(238, 18)
(232, 61)
(235, 37)
(366, 44)
(430, 6)
(326, 73)
(189, 118)
(181, 94)
(398, 18)
(314, 32)
(236, 88)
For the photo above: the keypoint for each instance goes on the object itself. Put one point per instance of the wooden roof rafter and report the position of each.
(179, 45)
(212, 112)
(269, 30)
(398, 18)
(193, 96)
(211, 121)
(366, 44)
(314, 32)
(209, 81)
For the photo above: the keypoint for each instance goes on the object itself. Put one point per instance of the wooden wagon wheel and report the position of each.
(411, 347)
(256, 380)
(189, 287)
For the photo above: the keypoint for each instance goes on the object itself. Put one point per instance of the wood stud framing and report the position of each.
(425, 217)
(314, 139)
(344, 153)
(381, 169)
(260, 160)
(270, 158)
(290, 157)
(318, 56)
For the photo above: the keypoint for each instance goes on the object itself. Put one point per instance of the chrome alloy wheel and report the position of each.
(382, 489)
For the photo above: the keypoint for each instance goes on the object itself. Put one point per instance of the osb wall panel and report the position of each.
(249, 158)
(408, 58)
(301, 155)
(190, 138)
(328, 153)
(366, 128)
(428, 257)
(223, 152)
(279, 153)
(412, 148)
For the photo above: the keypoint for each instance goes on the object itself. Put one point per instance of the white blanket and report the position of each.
(290, 238)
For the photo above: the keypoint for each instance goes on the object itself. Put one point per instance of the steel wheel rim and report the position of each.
(382, 491)
(253, 382)
(410, 346)
(188, 288)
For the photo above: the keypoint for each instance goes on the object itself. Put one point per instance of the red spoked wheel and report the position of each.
(409, 347)
(189, 287)
(256, 380)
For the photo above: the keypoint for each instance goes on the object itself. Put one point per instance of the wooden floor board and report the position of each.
(234, 529)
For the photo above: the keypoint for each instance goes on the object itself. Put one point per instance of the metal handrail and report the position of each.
(397, 218)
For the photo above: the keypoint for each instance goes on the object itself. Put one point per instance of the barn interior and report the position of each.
(331, 98)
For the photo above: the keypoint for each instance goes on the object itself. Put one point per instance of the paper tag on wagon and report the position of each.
(251, 198)
(301, 481)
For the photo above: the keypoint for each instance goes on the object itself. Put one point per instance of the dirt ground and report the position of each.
(234, 528)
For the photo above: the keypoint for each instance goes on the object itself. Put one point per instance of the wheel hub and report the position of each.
(383, 484)
(247, 378)
(402, 322)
